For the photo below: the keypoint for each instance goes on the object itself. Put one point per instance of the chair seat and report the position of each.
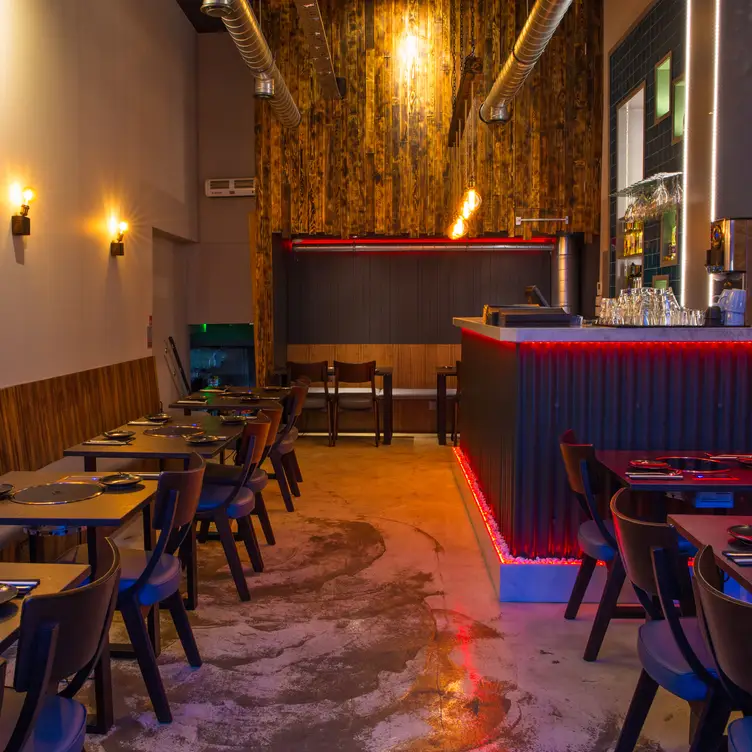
(661, 658)
(355, 402)
(285, 446)
(740, 735)
(593, 543)
(60, 726)
(315, 402)
(227, 475)
(214, 496)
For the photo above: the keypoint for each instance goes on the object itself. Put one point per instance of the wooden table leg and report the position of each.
(441, 407)
(104, 719)
(388, 408)
(90, 464)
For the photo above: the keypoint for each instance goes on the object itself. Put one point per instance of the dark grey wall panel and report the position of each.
(401, 297)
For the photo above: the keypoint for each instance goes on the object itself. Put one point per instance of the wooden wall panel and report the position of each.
(378, 161)
(414, 365)
(41, 419)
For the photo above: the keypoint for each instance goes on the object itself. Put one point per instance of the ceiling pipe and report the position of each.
(245, 31)
(540, 26)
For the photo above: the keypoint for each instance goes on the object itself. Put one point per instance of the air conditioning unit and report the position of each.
(230, 187)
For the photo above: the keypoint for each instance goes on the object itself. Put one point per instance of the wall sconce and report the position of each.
(20, 223)
(117, 231)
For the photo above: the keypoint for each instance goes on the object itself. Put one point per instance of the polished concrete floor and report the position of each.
(375, 628)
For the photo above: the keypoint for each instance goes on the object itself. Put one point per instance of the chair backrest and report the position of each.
(728, 624)
(185, 486)
(256, 430)
(275, 418)
(80, 618)
(316, 373)
(354, 373)
(637, 538)
(574, 453)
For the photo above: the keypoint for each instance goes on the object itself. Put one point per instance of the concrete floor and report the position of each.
(375, 628)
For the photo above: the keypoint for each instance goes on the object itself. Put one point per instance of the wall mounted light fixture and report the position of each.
(118, 229)
(20, 223)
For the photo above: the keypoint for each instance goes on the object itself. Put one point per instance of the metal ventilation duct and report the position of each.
(243, 27)
(540, 26)
(321, 57)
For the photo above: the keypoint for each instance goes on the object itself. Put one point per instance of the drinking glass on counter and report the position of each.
(647, 306)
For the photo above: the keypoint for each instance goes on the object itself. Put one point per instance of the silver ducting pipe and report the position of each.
(565, 274)
(540, 26)
(243, 27)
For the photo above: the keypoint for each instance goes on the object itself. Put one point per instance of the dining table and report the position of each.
(710, 530)
(232, 399)
(386, 374)
(110, 508)
(145, 445)
(712, 490)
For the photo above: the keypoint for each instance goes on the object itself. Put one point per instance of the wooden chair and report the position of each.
(727, 626)
(355, 373)
(597, 542)
(670, 645)
(282, 453)
(316, 373)
(227, 475)
(219, 504)
(153, 577)
(61, 638)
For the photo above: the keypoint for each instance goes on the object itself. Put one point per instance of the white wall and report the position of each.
(170, 314)
(97, 113)
(220, 267)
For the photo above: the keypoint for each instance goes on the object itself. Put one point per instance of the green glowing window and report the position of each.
(679, 101)
(663, 89)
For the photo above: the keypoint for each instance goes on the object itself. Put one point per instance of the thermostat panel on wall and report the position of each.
(230, 187)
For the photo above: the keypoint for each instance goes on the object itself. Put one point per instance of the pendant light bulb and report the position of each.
(473, 199)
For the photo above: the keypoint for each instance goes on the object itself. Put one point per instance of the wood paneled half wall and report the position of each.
(39, 420)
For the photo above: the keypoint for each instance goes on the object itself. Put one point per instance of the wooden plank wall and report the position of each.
(414, 365)
(40, 419)
(377, 162)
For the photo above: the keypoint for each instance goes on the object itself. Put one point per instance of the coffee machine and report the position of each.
(727, 258)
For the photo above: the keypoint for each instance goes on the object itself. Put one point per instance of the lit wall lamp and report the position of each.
(21, 223)
(117, 231)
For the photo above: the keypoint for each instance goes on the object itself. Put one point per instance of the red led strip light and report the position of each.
(497, 540)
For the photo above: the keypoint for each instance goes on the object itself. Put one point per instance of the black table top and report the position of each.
(53, 578)
(739, 478)
(110, 509)
(235, 400)
(144, 446)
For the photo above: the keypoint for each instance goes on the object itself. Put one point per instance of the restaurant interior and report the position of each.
(376, 376)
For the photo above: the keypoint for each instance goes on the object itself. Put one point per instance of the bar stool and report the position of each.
(355, 373)
(727, 626)
(670, 645)
(597, 541)
(316, 373)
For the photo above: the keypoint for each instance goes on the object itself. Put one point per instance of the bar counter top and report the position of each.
(605, 333)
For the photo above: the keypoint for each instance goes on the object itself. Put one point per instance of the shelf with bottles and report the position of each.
(669, 237)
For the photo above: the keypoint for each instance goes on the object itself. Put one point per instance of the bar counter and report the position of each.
(669, 388)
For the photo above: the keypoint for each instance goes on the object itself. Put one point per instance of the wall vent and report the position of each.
(230, 187)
